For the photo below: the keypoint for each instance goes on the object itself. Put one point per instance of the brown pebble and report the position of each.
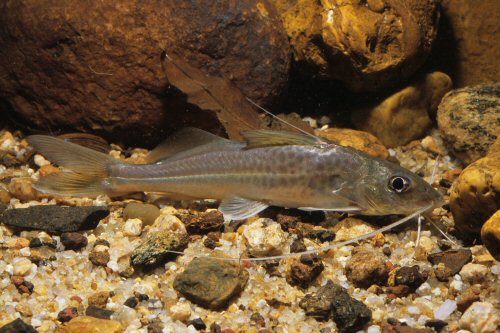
(453, 260)
(99, 299)
(76, 298)
(67, 314)
(468, 297)
(398, 291)
(304, 271)
(366, 268)
(73, 240)
(297, 246)
(202, 222)
(99, 256)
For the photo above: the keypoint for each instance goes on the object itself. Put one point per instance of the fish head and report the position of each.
(391, 189)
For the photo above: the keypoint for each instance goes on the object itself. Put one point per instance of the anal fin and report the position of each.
(237, 208)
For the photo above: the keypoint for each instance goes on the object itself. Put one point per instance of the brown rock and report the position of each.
(366, 268)
(370, 46)
(398, 291)
(359, 140)
(99, 255)
(449, 262)
(305, 270)
(404, 116)
(468, 120)
(99, 299)
(96, 66)
(22, 189)
(90, 325)
(468, 297)
(408, 276)
(67, 314)
(73, 240)
(471, 31)
(490, 234)
(202, 222)
(211, 283)
(475, 196)
(147, 213)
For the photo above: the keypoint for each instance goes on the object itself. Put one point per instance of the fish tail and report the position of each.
(84, 170)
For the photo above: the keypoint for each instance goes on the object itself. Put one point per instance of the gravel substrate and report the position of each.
(48, 279)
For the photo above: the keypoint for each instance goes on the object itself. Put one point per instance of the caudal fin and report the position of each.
(84, 169)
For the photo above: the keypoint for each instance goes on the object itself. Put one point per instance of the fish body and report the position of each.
(271, 168)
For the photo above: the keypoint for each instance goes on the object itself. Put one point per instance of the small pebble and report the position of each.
(198, 324)
(131, 302)
(480, 317)
(147, 213)
(73, 240)
(265, 238)
(132, 227)
(97, 312)
(100, 255)
(366, 268)
(181, 312)
(473, 273)
(35, 242)
(67, 314)
(22, 266)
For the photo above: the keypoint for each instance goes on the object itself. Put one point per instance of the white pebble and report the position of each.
(132, 227)
(413, 310)
(445, 310)
(25, 251)
(181, 312)
(40, 160)
(480, 317)
(22, 266)
(473, 273)
(457, 285)
(373, 329)
(264, 238)
(496, 269)
(424, 289)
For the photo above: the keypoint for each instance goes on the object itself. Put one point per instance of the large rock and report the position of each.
(369, 45)
(211, 283)
(364, 141)
(467, 45)
(468, 120)
(490, 234)
(333, 301)
(54, 218)
(98, 65)
(90, 325)
(475, 195)
(406, 115)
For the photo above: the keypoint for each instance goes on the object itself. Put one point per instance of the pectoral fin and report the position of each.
(237, 208)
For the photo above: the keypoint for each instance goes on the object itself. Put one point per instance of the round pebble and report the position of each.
(22, 266)
(473, 273)
(181, 312)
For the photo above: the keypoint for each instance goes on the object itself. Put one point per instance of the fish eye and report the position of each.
(399, 184)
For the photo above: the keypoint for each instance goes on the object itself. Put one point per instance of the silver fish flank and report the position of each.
(271, 168)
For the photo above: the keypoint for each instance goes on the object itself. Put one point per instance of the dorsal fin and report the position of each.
(263, 138)
(181, 141)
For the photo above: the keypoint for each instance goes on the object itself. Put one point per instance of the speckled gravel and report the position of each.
(44, 283)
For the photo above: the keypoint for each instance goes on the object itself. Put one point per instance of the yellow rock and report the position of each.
(359, 140)
(490, 234)
(404, 116)
(22, 189)
(91, 325)
(475, 195)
